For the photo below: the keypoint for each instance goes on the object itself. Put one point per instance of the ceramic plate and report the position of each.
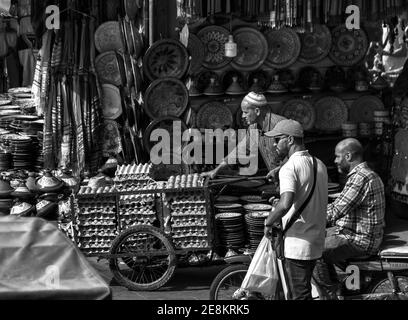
(252, 49)
(258, 207)
(228, 216)
(4, 102)
(259, 215)
(348, 46)
(363, 109)
(214, 39)
(331, 113)
(108, 37)
(301, 111)
(111, 102)
(108, 69)
(284, 48)
(19, 90)
(316, 45)
(214, 115)
(166, 97)
(228, 206)
(166, 58)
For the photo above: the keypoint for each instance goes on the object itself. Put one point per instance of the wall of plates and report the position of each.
(299, 54)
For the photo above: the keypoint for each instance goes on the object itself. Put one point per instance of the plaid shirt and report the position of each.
(359, 212)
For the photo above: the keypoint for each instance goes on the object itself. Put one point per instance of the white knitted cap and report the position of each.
(254, 100)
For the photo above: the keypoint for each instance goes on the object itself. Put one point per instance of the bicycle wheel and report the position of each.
(227, 282)
(384, 286)
(148, 259)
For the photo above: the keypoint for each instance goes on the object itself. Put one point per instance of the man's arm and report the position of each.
(282, 208)
(351, 197)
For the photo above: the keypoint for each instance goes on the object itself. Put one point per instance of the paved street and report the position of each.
(187, 284)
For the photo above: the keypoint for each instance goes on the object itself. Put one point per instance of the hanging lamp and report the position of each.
(231, 48)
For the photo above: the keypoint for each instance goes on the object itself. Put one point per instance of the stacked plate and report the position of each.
(226, 199)
(228, 207)
(253, 200)
(230, 230)
(257, 207)
(255, 224)
(21, 150)
(5, 161)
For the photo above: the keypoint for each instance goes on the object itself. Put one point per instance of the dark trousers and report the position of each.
(336, 252)
(299, 276)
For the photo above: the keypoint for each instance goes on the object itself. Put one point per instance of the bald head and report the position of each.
(352, 146)
(349, 154)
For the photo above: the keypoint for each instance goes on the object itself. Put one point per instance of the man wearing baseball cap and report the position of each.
(301, 211)
(253, 113)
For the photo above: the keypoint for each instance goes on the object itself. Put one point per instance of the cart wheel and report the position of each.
(151, 262)
(227, 282)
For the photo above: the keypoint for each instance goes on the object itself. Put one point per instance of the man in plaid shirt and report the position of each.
(356, 219)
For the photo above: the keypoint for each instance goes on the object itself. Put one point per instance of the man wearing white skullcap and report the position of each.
(253, 111)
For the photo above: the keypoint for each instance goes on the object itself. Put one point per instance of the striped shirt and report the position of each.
(359, 212)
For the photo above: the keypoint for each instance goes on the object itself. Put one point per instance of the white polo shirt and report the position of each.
(305, 239)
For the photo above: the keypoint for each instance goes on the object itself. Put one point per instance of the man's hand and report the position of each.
(268, 232)
(211, 174)
(273, 175)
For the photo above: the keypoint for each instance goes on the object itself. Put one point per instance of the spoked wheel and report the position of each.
(384, 286)
(144, 259)
(227, 282)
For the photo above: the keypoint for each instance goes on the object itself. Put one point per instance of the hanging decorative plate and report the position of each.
(252, 49)
(108, 37)
(214, 39)
(301, 111)
(349, 46)
(108, 68)
(197, 52)
(214, 115)
(166, 98)
(166, 58)
(362, 110)
(331, 113)
(165, 123)
(316, 45)
(111, 138)
(111, 102)
(284, 48)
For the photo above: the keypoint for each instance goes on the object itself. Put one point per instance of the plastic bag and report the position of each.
(263, 274)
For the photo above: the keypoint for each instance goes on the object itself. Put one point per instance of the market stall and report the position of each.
(76, 143)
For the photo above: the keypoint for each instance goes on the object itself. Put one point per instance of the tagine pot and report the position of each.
(22, 209)
(49, 184)
(5, 189)
(22, 192)
(47, 210)
(31, 182)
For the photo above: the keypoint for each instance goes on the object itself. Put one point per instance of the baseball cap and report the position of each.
(287, 127)
(254, 100)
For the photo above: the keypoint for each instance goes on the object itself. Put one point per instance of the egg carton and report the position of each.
(185, 181)
(98, 223)
(185, 234)
(99, 234)
(89, 191)
(95, 251)
(106, 245)
(188, 203)
(144, 198)
(189, 223)
(130, 217)
(186, 244)
(134, 170)
(188, 213)
(186, 198)
(136, 207)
